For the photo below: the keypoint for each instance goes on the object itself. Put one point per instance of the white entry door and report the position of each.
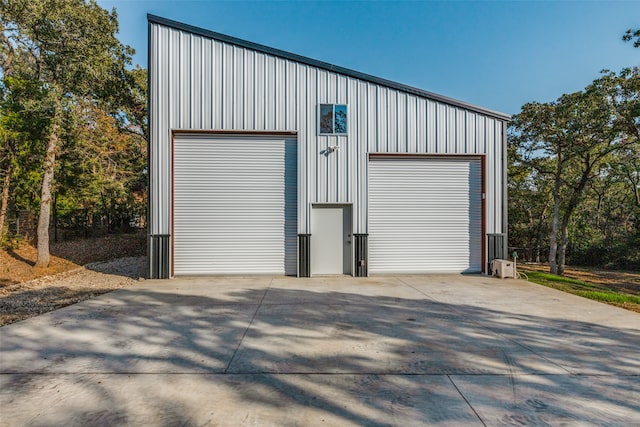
(331, 239)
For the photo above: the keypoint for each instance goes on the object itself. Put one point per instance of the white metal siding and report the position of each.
(235, 205)
(203, 83)
(425, 215)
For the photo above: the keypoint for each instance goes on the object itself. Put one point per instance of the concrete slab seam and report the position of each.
(529, 349)
(470, 319)
(465, 399)
(255, 313)
(399, 279)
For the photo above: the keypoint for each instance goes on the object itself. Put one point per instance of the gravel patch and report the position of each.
(27, 299)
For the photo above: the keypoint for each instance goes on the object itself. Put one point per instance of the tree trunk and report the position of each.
(5, 200)
(553, 238)
(562, 250)
(538, 245)
(45, 200)
(539, 232)
(635, 187)
(574, 201)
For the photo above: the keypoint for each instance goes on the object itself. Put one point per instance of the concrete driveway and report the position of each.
(405, 351)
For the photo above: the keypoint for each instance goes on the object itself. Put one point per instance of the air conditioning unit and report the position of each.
(503, 268)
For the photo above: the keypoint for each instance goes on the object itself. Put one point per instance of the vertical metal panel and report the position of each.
(207, 85)
(392, 122)
(496, 177)
(302, 112)
(402, 133)
(497, 248)
(239, 88)
(432, 126)
(159, 250)
(291, 88)
(184, 74)
(304, 255)
(361, 255)
(372, 111)
(202, 83)
(505, 209)
(421, 125)
(382, 120)
(472, 140)
(461, 134)
(411, 127)
(195, 78)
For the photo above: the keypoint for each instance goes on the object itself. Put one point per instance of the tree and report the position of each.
(540, 137)
(572, 139)
(530, 199)
(102, 169)
(69, 47)
(21, 124)
(7, 139)
(632, 35)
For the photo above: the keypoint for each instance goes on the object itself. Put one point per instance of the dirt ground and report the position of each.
(16, 265)
(621, 281)
(79, 270)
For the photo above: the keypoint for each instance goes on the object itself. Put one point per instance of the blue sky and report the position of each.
(498, 55)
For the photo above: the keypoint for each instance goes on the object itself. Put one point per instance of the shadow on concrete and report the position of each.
(364, 360)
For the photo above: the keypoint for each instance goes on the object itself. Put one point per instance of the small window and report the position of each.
(333, 119)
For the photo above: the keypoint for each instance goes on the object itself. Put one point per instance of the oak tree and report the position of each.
(70, 48)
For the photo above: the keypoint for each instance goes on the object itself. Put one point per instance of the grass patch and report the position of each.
(583, 289)
(610, 297)
(556, 279)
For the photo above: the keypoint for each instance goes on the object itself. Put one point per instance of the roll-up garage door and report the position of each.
(235, 204)
(425, 215)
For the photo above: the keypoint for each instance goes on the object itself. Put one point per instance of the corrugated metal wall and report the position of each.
(202, 83)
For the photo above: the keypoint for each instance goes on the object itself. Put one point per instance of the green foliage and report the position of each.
(70, 46)
(66, 80)
(632, 35)
(574, 174)
(620, 255)
(8, 242)
(102, 171)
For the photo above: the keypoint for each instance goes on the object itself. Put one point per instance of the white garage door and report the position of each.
(425, 215)
(235, 204)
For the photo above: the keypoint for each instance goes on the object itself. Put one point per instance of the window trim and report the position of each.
(333, 111)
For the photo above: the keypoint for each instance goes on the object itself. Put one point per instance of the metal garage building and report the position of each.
(267, 162)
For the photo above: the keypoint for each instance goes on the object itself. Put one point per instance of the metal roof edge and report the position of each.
(326, 66)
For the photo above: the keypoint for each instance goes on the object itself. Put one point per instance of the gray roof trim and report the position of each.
(326, 66)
